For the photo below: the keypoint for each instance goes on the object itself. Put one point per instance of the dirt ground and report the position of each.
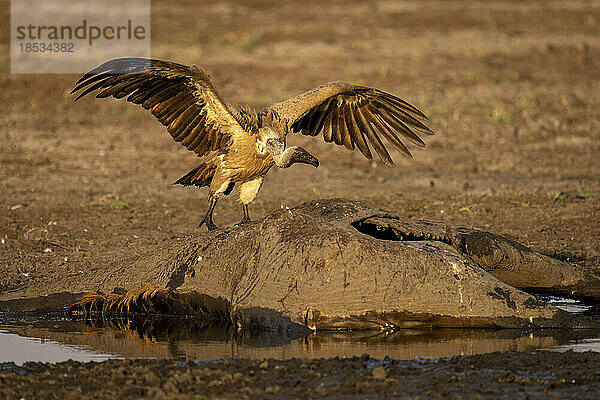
(541, 375)
(512, 90)
(513, 98)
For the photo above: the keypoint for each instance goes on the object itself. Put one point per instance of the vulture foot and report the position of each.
(207, 219)
(209, 223)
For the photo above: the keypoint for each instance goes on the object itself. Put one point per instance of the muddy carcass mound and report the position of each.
(340, 264)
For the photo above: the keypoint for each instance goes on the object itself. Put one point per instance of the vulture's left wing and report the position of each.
(352, 116)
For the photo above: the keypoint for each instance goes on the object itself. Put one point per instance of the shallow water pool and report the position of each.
(55, 338)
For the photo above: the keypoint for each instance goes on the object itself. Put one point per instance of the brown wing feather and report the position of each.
(328, 133)
(356, 135)
(353, 116)
(342, 131)
(182, 98)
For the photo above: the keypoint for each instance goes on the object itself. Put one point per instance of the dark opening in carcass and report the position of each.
(392, 229)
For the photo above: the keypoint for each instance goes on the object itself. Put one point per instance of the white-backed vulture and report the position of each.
(240, 145)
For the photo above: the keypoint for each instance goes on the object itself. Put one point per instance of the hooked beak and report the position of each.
(300, 155)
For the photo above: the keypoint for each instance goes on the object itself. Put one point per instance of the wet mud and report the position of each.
(534, 375)
(340, 264)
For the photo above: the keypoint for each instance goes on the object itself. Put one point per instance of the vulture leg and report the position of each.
(248, 192)
(208, 217)
(246, 217)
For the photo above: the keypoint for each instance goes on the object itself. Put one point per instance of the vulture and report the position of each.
(240, 145)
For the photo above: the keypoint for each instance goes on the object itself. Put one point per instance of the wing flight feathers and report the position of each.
(182, 98)
(353, 116)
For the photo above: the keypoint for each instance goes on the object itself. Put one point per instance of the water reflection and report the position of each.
(197, 339)
(571, 305)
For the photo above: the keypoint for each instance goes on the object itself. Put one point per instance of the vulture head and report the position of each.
(285, 157)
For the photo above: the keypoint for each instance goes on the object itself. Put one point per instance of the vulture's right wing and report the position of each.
(182, 98)
(352, 116)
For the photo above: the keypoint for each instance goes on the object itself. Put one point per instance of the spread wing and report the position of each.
(182, 98)
(353, 116)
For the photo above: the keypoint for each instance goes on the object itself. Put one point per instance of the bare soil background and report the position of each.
(512, 89)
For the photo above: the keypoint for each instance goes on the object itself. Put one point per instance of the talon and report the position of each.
(209, 224)
(207, 219)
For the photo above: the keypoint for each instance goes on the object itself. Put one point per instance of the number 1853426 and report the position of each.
(50, 47)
